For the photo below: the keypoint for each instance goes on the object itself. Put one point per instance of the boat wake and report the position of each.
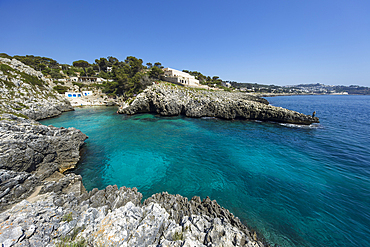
(299, 126)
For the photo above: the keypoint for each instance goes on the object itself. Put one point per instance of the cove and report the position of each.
(298, 186)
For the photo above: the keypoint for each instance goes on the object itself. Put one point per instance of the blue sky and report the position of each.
(281, 42)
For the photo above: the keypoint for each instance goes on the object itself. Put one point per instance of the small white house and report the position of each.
(73, 95)
(87, 93)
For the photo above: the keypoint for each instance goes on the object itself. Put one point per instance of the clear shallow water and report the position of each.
(298, 186)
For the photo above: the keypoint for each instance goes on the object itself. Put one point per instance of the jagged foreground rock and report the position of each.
(115, 217)
(26, 92)
(169, 100)
(31, 152)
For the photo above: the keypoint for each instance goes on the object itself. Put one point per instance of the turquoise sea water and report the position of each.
(298, 186)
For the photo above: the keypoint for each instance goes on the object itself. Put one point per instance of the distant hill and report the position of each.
(353, 89)
(315, 88)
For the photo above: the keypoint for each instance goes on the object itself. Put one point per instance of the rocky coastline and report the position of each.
(41, 206)
(171, 100)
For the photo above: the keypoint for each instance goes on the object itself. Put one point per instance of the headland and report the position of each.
(173, 100)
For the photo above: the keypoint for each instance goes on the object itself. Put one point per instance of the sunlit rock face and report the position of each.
(170, 100)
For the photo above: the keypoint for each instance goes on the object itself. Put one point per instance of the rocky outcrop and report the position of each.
(26, 92)
(31, 152)
(27, 145)
(168, 100)
(63, 213)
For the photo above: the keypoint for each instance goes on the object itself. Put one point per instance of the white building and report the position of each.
(176, 76)
(73, 95)
(88, 79)
(87, 93)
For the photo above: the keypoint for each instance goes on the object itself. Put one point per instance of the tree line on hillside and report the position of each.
(213, 81)
(130, 76)
(126, 77)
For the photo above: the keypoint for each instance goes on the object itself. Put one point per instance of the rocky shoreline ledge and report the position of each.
(170, 100)
(40, 206)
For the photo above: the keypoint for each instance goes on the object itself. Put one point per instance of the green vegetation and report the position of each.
(48, 66)
(14, 113)
(17, 108)
(81, 64)
(71, 241)
(214, 81)
(67, 217)
(7, 83)
(178, 236)
(125, 78)
(4, 55)
(61, 89)
(130, 100)
(38, 63)
(155, 72)
(5, 68)
(55, 73)
(23, 105)
(32, 80)
(128, 77)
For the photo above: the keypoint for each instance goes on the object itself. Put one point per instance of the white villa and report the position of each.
(176, 76)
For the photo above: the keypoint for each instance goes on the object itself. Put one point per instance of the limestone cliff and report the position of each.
(31, 152)
(26, 92)
(169, 100)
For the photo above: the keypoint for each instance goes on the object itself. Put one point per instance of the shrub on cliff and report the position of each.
(61, 89)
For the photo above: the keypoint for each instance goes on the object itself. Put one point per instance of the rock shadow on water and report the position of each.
(91, 166)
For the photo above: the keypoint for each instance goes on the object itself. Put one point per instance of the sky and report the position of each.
(280, 42)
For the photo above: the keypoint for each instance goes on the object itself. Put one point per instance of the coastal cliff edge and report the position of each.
(171, 100)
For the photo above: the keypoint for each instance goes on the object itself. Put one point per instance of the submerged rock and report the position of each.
(169, 100)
